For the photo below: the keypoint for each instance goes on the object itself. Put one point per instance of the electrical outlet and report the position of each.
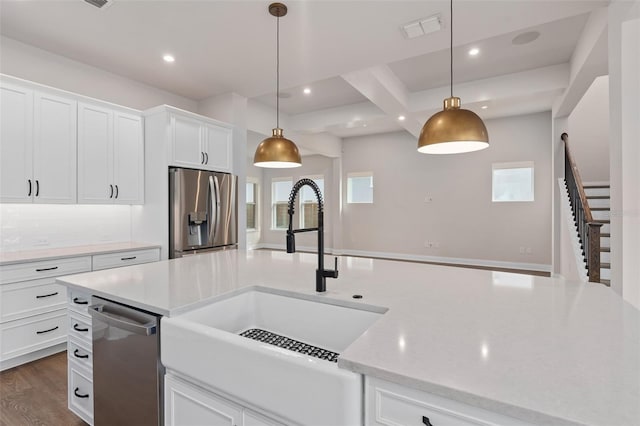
(41, 242)
(521, 250)
(428, 199)
(428, 244)
(529, 251)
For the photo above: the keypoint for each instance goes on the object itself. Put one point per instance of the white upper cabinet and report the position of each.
(218, 148)
(16, 144)
(110, 156)
(38, 146)
(187, 142)
(128, 155)
(200, 144)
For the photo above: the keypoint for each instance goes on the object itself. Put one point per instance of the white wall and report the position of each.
(311, 166)
(37, 226)
(589, 132)
(461, 216)
(624, 89)
(257, 174)
(31, 63)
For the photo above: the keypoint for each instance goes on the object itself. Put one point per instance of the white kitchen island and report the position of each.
(540, 350)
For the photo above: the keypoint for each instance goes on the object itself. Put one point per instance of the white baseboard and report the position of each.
(421, 258)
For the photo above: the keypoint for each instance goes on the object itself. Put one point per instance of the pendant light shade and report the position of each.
(277, 151)
(453, 130)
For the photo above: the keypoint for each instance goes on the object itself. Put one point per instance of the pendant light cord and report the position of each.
(451, 49)
(278, 72)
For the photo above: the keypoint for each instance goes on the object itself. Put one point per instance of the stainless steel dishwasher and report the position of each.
(127, 374)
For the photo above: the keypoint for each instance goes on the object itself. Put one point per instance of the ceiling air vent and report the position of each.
(100, 4)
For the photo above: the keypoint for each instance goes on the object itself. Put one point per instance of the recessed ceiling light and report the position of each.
(169, 58)
(401, 117)
(307, 91)
(525, 38)
(484, 107)
(474, 51)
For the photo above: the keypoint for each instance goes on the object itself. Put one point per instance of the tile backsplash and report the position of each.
(36, 226)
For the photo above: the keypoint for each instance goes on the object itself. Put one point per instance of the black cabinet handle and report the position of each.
(80, 302)
(128, 258)
(37, 187)
(202, 160)
(75, 353)
(53, 268)
(29, 194)
(46, 295)
(206, 161)
(426, 421)
(75, 392)
(111, 191)
(47, 331)
(117, 191)
(76, 328)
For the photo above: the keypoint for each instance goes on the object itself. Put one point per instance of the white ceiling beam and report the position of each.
(589, 60)
(382, 87)
(344, 116)
(505, 86)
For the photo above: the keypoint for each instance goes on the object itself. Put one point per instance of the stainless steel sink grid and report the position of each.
(290, 344)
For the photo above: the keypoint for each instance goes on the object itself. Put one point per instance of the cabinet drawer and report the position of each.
(394, 405)
(80, 395)
(79, 301)
(80, 328)
(80, 353)
(44, 269)
(125, 258)
(23, 299)
(34, 333)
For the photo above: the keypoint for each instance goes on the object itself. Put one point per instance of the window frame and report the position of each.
(300, 202)
(349, 192)
(274, 203)
(256, 203)
(513, 165)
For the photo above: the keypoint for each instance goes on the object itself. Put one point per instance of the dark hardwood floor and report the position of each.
(36, 394)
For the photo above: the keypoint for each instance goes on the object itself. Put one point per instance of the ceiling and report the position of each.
(340, 49)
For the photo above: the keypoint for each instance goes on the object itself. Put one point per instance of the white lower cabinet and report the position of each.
(80, 386)
(186, 404)
(395, 405)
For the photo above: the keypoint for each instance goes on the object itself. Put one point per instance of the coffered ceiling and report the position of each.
(361, 70)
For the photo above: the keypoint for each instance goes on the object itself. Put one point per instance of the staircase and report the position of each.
(598, 199)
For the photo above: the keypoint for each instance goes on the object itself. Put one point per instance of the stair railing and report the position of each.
(588, 229)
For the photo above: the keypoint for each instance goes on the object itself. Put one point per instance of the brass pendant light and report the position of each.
(277, 151)
(453, 130)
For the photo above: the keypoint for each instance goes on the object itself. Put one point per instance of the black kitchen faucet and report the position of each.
(321, 273)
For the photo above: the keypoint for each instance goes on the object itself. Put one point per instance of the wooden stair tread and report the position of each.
(605, 249)
(598, 197)
(607, 235)
(606, 282)
(597, 186)
(602, 221)
(600, 209)
(605, 266)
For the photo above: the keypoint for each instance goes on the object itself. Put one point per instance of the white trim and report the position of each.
(597, 183)
(538, 267)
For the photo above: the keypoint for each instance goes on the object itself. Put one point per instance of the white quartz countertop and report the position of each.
(9, 257)
(543, 350)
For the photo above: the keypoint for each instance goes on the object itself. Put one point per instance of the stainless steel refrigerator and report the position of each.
(202, 211)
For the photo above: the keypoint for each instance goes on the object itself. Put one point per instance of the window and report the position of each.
(280, 190)
(512, 181)
(360, 187)
(309, 203)
(252, 206)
